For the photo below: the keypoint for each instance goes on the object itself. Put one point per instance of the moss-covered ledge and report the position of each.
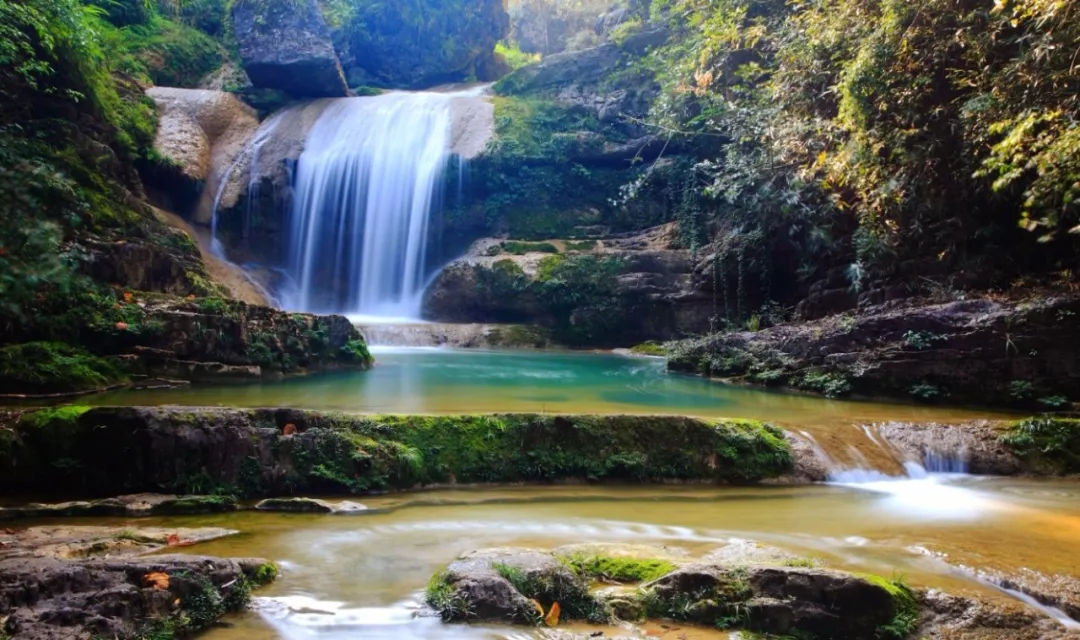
(266, 452)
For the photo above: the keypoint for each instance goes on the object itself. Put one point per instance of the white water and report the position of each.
(366, 184)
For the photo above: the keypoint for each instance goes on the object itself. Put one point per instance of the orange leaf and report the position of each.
(552, 618)
(289, 429)
(128, 296)
(122, 326)
(157, 579)
(172, 539)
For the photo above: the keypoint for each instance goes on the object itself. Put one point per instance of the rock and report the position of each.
(422, 44)
(951, 617)
(52, 599)
(201, 132)
(981, 350)
(134, 505)
(295, 505)
(781, 600)
(976, 445)
(287, 46)
(83, 541)
(478, 583)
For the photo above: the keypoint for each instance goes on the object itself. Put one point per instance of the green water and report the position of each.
(469, 381)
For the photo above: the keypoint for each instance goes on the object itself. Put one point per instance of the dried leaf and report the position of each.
(157, 579)
(539, 607)
(122, 326)
(173, 539)
(552, 618)
(289, 429)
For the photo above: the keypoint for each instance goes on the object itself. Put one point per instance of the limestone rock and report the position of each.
(287, 46)
(201, 132)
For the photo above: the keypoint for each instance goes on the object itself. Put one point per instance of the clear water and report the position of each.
(361, 576)
(433, 381)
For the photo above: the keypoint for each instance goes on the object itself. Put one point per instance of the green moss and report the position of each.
(580, 245)
(44, 367)
(1046, 443)
(517, 247)
(196, 504)
(649, 349)
(356, 351)
(265, 574)
(617, 568)
(906, 606)
(63, 417)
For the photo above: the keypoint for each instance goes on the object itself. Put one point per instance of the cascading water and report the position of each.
(366, 183)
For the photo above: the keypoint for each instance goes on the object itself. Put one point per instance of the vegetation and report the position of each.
(617, 568)
(48, 367)
(1048, 444)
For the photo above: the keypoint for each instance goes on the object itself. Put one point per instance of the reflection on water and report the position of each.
(363, 575)
(428, 380)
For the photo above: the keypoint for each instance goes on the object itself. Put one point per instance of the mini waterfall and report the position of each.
(369, 177)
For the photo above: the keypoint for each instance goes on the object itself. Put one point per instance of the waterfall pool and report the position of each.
(436, 380)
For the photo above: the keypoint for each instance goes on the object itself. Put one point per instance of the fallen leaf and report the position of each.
(157, 579)
(128, 296)
(122, 326)
(172, 539)
(552, 617)
(289, 429)
(539, 607)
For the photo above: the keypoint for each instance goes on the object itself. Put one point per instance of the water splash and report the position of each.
(366, 184)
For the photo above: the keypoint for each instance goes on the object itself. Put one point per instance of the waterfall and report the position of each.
(369, 177)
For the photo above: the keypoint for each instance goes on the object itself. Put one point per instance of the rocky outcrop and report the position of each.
(130, 506)
(44, 598)
(81, 542)
(287, 46)
(200, 133)
(658, 296)
(422, 44)
(278, 452)
(1022, 352)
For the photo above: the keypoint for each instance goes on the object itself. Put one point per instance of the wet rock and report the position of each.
(287, 46)
(817, 602)
(82, 541)
(500, 584)
(951, 617)
(295, 505)
(976, 445)
(50, 599)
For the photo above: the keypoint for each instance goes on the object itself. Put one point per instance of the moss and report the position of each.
(196, 504)
(616, 568)
(44, 367)
(1047, 444)
(356, 351)
(61, 417)
(265, 574)
(649, 349)
(517, 247)
(905, 604)
(547, 588)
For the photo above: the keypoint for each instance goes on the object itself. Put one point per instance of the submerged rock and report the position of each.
(287, 46)
(309, 505)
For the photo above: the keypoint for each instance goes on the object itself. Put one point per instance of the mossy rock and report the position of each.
(55, 367)
(1047, 444)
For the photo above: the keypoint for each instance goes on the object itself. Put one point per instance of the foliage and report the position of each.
(514, 56)
(46, 367)
(580, 292)
(865, 133)
(1048, 443)
(518, 247)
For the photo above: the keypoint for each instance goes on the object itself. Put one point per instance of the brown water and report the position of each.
(362, 575)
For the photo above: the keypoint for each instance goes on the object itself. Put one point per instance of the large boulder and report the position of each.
(287, 46)
(201, 132)
(420, 44)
